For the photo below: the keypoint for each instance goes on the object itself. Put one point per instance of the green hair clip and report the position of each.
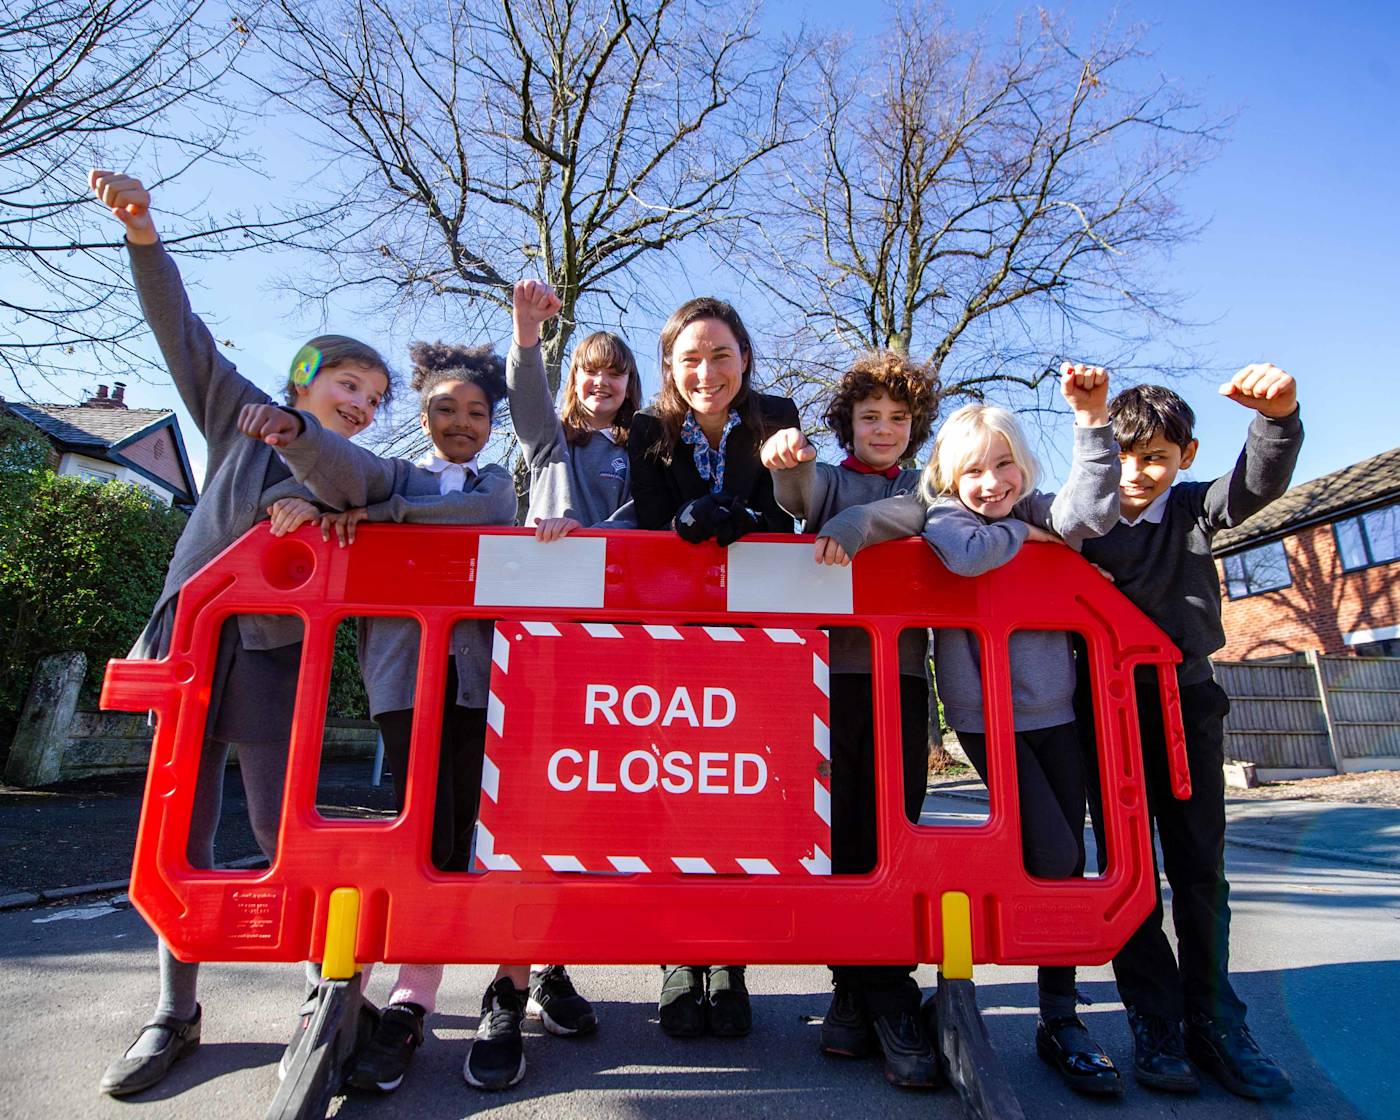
(305, 365)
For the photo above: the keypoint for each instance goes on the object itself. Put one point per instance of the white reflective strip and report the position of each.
(523, 572)
(821, 737)
(821, 802)
(486, 852)
(628, 863)
(784, 579)
(693, 865)
(500, 650)
(785, 637)
(495, 714)
(757, 866)
(490, 778)
(541, 629)
(821, 675)
(563, 863)
(601, 630)
(664, 633)
(723, 633)
(818, 864)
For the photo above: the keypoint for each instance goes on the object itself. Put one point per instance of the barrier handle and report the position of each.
(1174, 731)
(137, 686)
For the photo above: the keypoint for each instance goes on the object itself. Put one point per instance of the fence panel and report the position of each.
(1364, 698)
(1276, 718)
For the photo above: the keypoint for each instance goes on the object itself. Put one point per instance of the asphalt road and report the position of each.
(1315, 955)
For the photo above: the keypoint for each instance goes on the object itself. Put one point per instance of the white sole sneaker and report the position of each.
(475, 1084)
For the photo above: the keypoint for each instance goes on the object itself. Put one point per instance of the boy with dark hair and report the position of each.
(1159, 556)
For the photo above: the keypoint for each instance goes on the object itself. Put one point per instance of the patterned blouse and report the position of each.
(709, 461)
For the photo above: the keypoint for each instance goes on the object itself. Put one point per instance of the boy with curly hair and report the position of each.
(882, 411)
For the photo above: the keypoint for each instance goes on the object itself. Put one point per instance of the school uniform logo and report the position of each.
(617, 469)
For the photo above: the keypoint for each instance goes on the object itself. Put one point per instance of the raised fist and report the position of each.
(786, 449)
(1086, 390)
(129, 202)
(1264, 388)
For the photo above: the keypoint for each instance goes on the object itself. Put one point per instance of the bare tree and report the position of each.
(473, 142)
(87, 83)
(985, 210)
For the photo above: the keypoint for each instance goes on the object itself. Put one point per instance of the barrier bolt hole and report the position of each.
(288, 565)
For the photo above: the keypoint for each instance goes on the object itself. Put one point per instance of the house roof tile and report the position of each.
(82, 426)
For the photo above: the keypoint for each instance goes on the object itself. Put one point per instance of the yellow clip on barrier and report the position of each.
(957, 936)
(343, 918)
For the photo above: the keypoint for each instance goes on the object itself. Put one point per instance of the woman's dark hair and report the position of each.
(342, 350)
(897, 377)
(670, 407)
(436, 363)
(600, 350)
(1137, 414)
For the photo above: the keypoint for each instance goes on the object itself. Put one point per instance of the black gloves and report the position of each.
(718, 517)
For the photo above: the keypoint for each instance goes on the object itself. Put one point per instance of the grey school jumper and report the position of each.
(1166, 568)
(345, 476)
(234, 499)
(1042, 666)
(588, 482)
(814, 493)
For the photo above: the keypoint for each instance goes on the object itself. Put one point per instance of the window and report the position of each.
(1256, 570)
(1387, 647)
(92, 474)
(1370, 538)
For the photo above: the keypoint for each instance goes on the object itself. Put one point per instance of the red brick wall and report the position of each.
(1322, 604)
(157, 453)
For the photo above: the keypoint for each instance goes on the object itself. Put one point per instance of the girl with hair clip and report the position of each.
(977, 505)
(459, 390)
(695, 469)
(338, 381)
(577, 458)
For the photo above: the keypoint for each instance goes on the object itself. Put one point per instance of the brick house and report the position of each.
(105, 440)
(1319, 569)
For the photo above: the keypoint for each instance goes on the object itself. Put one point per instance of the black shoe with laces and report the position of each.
(682, 1006)
(1065, 1044)
(560, 1008)
(130, 1075)
(910, 1059)
(727, 1010)
(496, 1059)
(846, 1028)
(381, 1065)
(1228, 1052)
(1159, 1054)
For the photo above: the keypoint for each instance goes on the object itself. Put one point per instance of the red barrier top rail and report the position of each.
(411, 912)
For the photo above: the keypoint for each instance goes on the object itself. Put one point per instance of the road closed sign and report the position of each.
(616, 748)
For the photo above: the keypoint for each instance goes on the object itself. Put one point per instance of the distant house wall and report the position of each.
(158, 454)
(101, 470)
(1319, 610)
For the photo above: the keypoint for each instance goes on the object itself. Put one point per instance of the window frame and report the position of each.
(1250, 591)
(1359, 520)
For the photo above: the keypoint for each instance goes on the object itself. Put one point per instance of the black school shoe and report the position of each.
(727, 1010)
(910, 1059)
(560, 1008)
(682, 1006)
(1064, 1044)
(381, 1065)
(496, 1059)
(846, 1028)
(130, 1075)
(1159, 1054)
(1228, 1052)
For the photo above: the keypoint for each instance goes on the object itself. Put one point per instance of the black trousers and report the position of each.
(1050, 789)
(1192, 836)
(463, 747)
(887, 988)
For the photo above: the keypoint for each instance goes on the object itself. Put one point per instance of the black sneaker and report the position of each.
(682, 1006)
(496, 1059)
(560, 1008)
(846, 1028)
(727, 1009)
(1228, 1052)
(380, 1066)
(1159, 1054)
(1065, 1044)
(910, 1060)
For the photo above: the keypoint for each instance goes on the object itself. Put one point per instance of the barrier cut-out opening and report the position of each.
(956, 793)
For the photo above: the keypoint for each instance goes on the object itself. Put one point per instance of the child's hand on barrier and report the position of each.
(290, 514)
(129, 202)
(829, 552)
(553, 528)
(1086, 390)
(786, 449)
(343, 525)
(1264, 388)
(1041, 536)
(532, 302)
(275, 426)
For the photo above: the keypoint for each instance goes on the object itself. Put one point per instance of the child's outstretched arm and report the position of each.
(490, 502)
(798, 483)
(1265, 466)
(339, 473)
(856, 527)
(531, 404)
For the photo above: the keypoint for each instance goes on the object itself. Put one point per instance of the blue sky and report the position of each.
(1296, 265)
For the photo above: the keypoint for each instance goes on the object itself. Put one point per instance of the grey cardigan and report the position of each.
(234, 499)
(346, 476)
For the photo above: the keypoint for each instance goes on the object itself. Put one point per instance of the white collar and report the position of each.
(607, 434)
(434, 462)
(1154, 513)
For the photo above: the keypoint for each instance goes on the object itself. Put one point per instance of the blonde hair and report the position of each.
(964, 436)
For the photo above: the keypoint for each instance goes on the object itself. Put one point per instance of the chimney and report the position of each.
(102, 400)
(119, 393)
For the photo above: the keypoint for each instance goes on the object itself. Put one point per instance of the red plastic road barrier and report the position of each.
(411, 912)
